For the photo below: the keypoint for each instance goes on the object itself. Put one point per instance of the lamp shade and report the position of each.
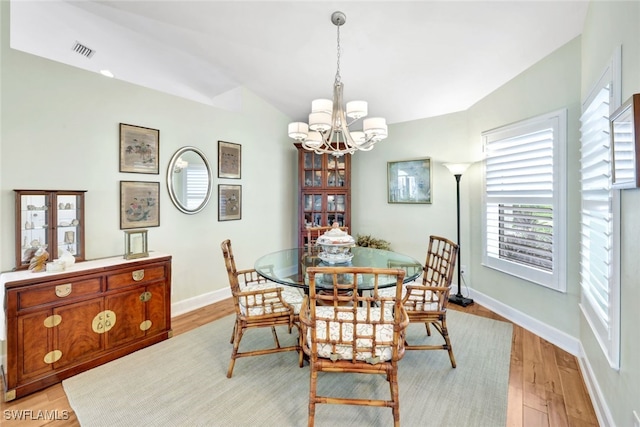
(314, 139)
(320, 122)
(322, 106)
(375, 128)
(357, 109)
(358, 137)
(298, 130)
(457, 168)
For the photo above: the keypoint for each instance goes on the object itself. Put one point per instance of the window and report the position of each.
(524, 200)
(599, 223)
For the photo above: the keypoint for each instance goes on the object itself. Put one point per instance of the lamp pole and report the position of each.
(457, 169)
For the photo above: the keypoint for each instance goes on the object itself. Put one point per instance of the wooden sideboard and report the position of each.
(60, 324)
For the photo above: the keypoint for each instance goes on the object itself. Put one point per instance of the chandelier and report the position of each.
(328, 129)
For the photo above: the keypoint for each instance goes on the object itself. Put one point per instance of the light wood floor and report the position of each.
(545, 383)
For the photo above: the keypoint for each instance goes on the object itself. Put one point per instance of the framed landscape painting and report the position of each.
(409, 181)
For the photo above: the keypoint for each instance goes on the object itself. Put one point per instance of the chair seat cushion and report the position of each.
(292, 296)
(416, 301)
(330, 330)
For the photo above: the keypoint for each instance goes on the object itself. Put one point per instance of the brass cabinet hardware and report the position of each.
(103, 322)
(52, 321)
(52, 356)
(137, 275)
(10, 395)
(145, 325)
(63, 290)
(145, 296)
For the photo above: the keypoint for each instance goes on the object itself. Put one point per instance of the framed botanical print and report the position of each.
(139, 149)
(229, 202)
(229, 160)
(139, 204)
(409, 181)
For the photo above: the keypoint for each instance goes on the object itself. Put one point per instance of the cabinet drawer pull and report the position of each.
(52, 356)
(145, 325)
(145, 296)
(52, 321)
(137, 275)
(63, 290)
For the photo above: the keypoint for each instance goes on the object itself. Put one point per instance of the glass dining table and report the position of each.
(288, 267)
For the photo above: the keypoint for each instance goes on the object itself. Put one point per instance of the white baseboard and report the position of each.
(185, 306)
(560, 339)
(605, 419)
(555, 336)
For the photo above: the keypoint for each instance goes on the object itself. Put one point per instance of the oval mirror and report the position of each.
(189, 180)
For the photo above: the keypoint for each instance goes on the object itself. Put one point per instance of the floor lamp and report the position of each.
(457, 169)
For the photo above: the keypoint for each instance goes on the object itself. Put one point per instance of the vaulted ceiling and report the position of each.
(408, 59)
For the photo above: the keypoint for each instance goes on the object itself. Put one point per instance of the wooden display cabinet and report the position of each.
(52, 218)
(324, 191)
(60, 324)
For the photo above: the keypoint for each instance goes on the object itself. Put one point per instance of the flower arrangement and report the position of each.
(371, 242)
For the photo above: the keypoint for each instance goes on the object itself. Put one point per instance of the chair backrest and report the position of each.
(314, 232)
(441, 261)
(337, 309)
(230, 264)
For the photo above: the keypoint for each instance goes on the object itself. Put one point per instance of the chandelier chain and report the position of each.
(338, 62)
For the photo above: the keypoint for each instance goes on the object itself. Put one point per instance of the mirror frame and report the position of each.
(172, 194)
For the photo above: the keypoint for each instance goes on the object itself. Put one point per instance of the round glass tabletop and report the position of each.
(288, 267)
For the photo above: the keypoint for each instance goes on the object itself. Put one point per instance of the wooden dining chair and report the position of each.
(346, 332)
(312, 237)
(259, 303)
(427, 302)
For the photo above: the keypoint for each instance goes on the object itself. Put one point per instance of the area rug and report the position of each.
(182, 382)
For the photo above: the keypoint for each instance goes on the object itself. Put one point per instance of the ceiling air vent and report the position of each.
(83, 50)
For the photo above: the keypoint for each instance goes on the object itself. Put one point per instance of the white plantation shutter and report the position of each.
(598, 258)
(524, 199)
(196, 185)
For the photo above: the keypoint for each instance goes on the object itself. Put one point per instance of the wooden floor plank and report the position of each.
(533, 374)
(515, 416)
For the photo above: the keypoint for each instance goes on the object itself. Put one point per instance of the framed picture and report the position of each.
(409, 181)
(625, 144)
(229, 202)
(139, 204)
(135, 244)
(229, 160)
(139, 149)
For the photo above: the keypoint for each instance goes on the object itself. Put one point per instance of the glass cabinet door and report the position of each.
(68, 230)
(33, 225)
(53, 220)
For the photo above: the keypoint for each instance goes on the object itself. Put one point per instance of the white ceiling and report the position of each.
(408, 59)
